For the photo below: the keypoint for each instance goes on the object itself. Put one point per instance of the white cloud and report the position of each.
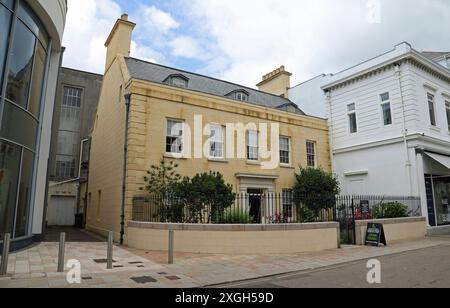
(313, 37)
(145, 53)
(88, 25)
(158, 19)
(187, 47)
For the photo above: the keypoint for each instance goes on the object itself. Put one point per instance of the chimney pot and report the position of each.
(124, 17)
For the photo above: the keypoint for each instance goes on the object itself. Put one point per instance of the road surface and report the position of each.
(427, 268)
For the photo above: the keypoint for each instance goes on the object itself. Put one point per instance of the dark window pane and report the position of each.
(447, 106)
(353, 124)
(9, 171)
(387, 115)
(18, 126)
(37, 80)
(65, 167)
(5, 20)
(23, 206)
(8, 3)
(432, 113)
(33, 22)
(21, 63)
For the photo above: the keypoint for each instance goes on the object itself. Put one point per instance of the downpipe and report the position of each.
(125, 161)
(398, 72)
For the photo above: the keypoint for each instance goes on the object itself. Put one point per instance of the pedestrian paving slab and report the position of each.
(36, 266)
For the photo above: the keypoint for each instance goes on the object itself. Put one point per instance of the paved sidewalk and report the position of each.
(35, 267)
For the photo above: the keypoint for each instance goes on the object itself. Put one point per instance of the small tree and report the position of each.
(316, 189)
(162, 179)
(160, 182)
(205, 191)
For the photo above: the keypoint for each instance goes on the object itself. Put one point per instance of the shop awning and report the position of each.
(443, 160)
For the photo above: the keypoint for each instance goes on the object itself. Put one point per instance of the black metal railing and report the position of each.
(267, 209)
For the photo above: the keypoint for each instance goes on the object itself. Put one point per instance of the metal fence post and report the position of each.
(62, 248)
(353, 222)
(171, 245)
(339, 236)
(109, 257)
(5, 255)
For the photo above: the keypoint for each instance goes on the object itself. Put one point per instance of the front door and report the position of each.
(255, 203)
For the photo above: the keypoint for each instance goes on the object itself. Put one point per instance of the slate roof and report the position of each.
(143, 70)
(433, 55)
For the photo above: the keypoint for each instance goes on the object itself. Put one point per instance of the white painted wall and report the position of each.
(385, 168)
(309, 96)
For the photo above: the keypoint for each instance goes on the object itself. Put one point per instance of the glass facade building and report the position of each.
(25, 49)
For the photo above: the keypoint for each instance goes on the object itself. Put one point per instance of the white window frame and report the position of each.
(171, 153)
(431, 101)
(175, 78)
(216, 140)
(252, 148)
(241, 96)
(288, 151)
(308, 154)
(382, 104)
(349, 114)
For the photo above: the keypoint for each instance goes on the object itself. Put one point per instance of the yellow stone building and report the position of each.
(147, 111)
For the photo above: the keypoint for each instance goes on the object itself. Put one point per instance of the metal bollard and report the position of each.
(5, 255)
(171, 245)
(109, 257)
(61, 253)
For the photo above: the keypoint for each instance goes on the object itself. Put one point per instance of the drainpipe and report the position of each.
(81, 156)
(330, 124)
(79, 174)
(86, 193)
(398, 72)
(125, 160)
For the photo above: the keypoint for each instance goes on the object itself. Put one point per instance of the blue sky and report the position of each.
(241, 40)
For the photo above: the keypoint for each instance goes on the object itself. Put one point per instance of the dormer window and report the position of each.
(179, 81)
(241, 96)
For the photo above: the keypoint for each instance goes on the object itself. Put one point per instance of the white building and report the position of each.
(390, 127)
(308, 96)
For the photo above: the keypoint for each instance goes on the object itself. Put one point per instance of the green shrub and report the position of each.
(306, 215)
(233, 216)
(316, 189)
(390, 210)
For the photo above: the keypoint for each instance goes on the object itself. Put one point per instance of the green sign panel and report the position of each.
(375, 235)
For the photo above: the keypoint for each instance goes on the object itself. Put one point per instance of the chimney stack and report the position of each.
(119, 40)
(276, 82)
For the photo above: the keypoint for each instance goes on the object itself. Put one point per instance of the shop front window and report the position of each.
(442, 200)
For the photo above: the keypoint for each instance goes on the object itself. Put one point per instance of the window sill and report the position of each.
(218, 160)
(285, 166)
(436, 129)
(173, 156)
